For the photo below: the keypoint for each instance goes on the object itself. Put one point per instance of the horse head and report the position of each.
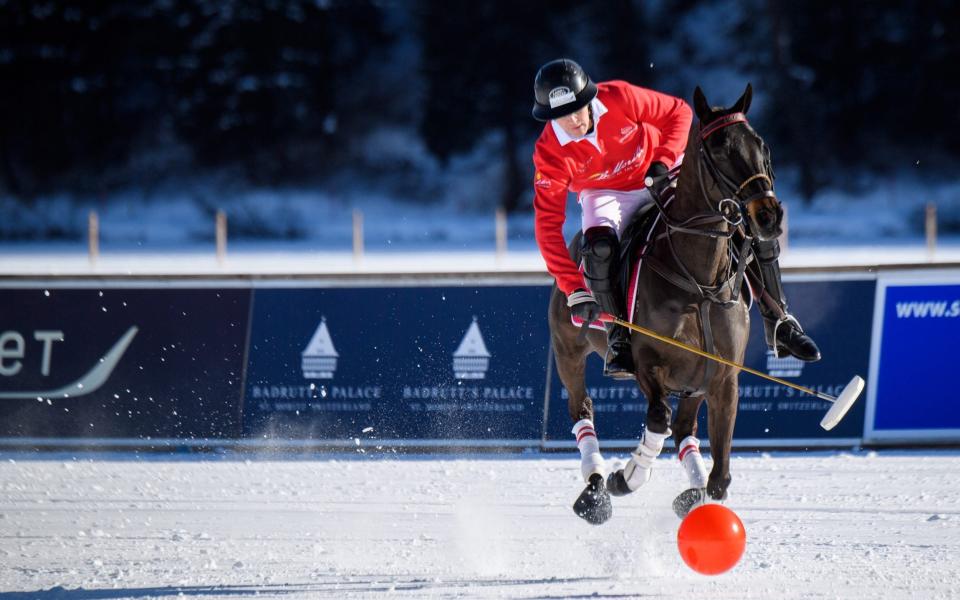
(738, 161)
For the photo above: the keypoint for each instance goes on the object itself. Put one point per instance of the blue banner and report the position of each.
(837, 314)
(916, 363)
(620, 409)
(839, 317)
(110, 363)
(426, 365)
(422, 365)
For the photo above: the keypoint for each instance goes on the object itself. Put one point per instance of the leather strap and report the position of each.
(722, 122)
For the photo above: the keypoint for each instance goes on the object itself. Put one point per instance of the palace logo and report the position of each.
(89, 383)
(471, 358)
(788, 366)
(319, 358)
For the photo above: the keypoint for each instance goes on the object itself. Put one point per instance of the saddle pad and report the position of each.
(578, 322)
(638, 244)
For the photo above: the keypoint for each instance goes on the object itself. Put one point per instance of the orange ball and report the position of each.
(711, 539)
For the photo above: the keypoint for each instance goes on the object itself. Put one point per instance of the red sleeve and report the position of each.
(671, 115)
(550, 186)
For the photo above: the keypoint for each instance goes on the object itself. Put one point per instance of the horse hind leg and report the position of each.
(696, 494)
(688, 452)
(571, 362)
(593, 505)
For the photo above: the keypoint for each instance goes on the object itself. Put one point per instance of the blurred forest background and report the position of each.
(429, 101)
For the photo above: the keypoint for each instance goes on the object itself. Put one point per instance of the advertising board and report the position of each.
(112, 363)
(432, 365)
(836, 312)
(916, 330)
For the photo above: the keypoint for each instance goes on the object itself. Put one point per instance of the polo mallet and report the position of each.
(841, 403)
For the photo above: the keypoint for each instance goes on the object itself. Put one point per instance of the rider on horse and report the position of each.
(603, 141)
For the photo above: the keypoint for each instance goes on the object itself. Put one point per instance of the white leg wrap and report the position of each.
(591, 461)
(692, 462)
(640, 466)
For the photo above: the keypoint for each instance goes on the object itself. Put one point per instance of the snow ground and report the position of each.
(120, 525)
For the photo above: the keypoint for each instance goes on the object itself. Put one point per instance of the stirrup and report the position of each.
(624, 371)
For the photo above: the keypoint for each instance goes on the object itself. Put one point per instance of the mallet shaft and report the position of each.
(719, 359)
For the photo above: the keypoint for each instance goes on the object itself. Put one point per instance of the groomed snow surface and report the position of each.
(122, 525)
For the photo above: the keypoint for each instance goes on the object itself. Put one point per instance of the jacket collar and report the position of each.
(598, 111)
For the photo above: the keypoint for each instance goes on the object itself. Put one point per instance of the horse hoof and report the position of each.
(617, 484)
(593, 505)
(688, 500)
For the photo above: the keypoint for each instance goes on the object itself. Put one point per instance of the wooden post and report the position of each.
(221, 234)
(785, 226)
(930, 225)
(500, 224)
(93, 236)
(357, 235)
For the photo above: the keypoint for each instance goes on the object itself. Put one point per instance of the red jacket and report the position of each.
(635, 127)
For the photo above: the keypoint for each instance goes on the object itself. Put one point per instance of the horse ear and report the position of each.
(700, 104)
(743, 104)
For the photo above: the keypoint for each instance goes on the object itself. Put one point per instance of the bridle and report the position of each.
(721, 221)
(728, 187)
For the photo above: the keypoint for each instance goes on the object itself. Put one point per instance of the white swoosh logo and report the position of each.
(90, 382)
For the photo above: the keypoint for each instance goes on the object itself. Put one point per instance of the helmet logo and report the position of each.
(560, 96)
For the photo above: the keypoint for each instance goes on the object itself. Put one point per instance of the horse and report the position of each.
(690, 288)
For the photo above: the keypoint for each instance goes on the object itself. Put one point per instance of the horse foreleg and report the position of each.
(639, 468)
(721, 417)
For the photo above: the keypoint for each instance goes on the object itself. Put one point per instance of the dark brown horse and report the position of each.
(690, 285)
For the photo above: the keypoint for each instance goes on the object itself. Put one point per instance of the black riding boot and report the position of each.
(783, 332)
(600, 257)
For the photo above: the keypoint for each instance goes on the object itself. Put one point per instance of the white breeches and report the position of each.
(611, 208)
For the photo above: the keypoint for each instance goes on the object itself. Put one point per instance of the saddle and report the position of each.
(636, 243)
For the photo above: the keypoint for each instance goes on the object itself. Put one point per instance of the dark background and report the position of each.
(96, 96)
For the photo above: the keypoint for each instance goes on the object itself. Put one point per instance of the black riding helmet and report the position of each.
(561, 88)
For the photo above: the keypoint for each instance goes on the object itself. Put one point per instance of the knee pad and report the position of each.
(599, 248)
(600, 241)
